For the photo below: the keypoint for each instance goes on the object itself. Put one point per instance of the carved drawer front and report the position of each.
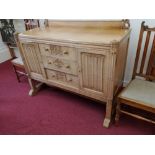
(64, 52)
(60, 65)
(58, 51)
(45, 49)
(62, 77)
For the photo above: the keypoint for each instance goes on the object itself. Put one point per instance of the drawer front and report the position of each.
(62, 78)
(58, 51)
(45, 49)
(60, 65)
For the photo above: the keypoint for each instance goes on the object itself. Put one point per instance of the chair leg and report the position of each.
(17, 76)
(117, 116)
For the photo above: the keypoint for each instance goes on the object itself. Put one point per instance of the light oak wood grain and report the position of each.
(86, 58)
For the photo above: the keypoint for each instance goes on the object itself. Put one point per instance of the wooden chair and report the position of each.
(17, 63)
(138, 98)
(31, 24)
(18, 67)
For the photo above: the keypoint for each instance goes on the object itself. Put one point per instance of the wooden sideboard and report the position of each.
(83, 57)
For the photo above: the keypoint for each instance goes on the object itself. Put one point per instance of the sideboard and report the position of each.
(84, 57)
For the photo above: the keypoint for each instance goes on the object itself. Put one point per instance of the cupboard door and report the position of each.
(94, 73)
(30, 52)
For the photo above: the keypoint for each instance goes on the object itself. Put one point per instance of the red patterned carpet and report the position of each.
(53, 111)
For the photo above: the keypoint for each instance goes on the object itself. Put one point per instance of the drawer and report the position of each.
(62, 77)
(64, 52)
(45, 49)
(58, 51)
(60, 65)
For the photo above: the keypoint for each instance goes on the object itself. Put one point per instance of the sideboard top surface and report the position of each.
(90, 35)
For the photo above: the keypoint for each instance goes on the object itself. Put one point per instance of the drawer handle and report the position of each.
(53, 75)
(65, 52)
(49, 62)
(46, 49)
(70, 80)
(58, 63)
(68, 66)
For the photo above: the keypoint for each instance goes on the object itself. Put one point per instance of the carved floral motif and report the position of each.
(58, 63)
(56, 50)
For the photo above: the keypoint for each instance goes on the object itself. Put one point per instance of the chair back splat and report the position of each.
(144, 44)
(31, 24)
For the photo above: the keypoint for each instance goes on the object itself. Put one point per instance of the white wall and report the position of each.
(4, 51)
(135, 26)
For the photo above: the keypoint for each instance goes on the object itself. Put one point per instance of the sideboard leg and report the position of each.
(107, 119)
(32, 85)
(34, 88)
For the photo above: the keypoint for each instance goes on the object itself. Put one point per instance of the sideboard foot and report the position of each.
(34, 87)
(106, 122)
(107, 119)
(32, 92)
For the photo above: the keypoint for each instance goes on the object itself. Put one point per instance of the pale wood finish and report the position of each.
(68, 79)
(31, 57)
(68, 53)
(109, 24)
(92, 71)
(148, 75)
(94, 36)
(60, 65)
(80, 57)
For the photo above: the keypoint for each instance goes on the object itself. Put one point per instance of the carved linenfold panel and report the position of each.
(92, 71)
(31, 58)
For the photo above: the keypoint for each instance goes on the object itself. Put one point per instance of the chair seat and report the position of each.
(18, 61)
(140, 91)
